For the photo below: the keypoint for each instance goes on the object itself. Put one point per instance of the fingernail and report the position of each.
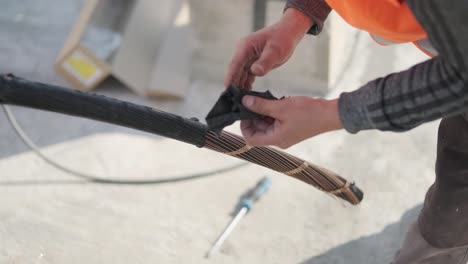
(248, 101)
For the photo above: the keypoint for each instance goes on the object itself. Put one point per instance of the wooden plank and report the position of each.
(78, 29)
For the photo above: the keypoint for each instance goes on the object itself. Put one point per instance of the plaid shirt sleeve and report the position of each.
(316, 10)
(428, 91)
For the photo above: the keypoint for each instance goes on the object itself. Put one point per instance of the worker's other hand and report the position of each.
(264, 50)
(290, 120)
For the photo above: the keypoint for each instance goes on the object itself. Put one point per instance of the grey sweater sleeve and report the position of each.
(428, 91)
(316, 10)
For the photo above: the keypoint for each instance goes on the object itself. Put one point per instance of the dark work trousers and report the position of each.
(441, 233)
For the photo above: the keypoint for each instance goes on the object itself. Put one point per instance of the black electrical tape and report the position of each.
(229, 109)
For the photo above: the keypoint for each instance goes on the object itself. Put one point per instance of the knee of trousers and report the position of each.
(452, 152)
(444, 218)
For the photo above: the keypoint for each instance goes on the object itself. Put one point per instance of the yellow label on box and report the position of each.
(82, 68)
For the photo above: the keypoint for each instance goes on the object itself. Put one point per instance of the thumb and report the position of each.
(268, 59)
(261, 106)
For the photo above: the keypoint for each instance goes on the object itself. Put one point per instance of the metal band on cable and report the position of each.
(298, 169)
(239, 151)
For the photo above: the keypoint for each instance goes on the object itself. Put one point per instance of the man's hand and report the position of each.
(291, 120)
(264, 50)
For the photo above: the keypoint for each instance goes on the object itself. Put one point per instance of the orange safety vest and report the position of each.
(387, 21)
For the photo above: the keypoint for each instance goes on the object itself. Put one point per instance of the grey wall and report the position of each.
(218, 25)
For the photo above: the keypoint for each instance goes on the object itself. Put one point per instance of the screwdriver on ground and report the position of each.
(245, 205)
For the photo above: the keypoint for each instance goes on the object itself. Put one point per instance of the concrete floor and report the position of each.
(47, 216)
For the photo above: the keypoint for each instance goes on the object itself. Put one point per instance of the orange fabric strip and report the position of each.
(389, 19)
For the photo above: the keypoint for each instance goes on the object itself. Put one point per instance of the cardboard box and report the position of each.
(140, 42)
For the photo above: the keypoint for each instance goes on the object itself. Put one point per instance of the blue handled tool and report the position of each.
(245, 205)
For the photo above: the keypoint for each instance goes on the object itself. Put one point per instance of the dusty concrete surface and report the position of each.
(47, 216)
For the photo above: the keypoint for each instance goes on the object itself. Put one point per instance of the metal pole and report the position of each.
(259, 14)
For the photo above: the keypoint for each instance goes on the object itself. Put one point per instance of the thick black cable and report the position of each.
(99, 179)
